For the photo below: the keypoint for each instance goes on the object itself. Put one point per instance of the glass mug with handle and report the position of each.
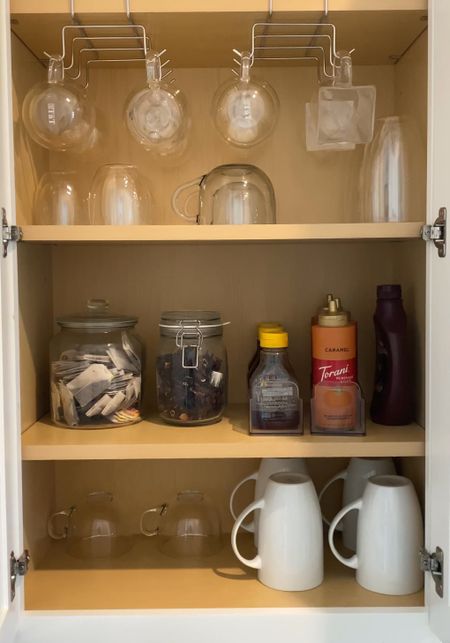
(267, 467)
(229, 194)
(355, 478)
(290, 548)
(390, 535)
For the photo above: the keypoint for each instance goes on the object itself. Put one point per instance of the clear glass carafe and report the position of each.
(96, 370)
(191, 368)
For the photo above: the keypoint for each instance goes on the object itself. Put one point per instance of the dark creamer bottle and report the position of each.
(392, 398)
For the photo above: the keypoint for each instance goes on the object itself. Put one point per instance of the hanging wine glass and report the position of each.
(57, 115)
(157, 115)
(245, 111)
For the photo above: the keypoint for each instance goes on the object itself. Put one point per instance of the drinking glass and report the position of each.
(57, 115)
(119, 196)
(245, 111)
(157, 115)
(57, 200)
(389, 167)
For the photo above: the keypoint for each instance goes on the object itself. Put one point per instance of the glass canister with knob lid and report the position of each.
(96, 369)
(191, 368)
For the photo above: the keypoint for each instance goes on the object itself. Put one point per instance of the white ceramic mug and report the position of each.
(261, 476)
(290, 549)
(355, 478)
(390, 535)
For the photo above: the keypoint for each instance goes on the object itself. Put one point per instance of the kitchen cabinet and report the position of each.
(248, 273)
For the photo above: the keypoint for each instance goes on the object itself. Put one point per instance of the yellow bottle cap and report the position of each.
(274, 339)
(269, 327)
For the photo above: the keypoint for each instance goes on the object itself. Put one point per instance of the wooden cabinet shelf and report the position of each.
(152, 439)
(220, 233)
(146, 579)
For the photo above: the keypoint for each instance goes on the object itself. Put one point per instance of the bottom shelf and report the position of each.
(146, 579)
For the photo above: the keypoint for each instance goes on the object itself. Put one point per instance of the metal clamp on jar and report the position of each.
(191, 368)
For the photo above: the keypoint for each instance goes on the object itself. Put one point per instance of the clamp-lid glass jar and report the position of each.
(95, 369)
(191, 367)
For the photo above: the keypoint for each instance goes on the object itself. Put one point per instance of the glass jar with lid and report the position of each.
(191, 368)
(96, 369)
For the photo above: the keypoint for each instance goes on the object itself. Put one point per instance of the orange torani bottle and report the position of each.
(336, 395)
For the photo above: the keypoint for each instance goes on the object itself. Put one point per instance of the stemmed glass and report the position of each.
(57, 115)
(245, 111)
(157, 115)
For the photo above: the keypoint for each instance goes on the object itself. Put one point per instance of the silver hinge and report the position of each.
(17, 567)
(9, 233)
(437, 233)
(434, 563)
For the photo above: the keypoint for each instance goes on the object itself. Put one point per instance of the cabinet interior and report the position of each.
(246, 282)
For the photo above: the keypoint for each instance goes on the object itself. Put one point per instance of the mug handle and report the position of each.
(251, 525)
(181, 211)
(255, 562)
(51, 524)
(342, 475)
(161, 510)
(353, 560)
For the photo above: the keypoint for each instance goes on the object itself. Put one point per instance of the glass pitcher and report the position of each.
(92, 529)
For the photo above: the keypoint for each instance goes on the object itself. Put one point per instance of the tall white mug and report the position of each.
(290, 549)
(355, 478)
(261, 476)
(390, 535)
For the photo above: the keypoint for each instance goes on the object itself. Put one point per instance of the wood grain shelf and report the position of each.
(146, 579)
(152, 439)
(219, 233)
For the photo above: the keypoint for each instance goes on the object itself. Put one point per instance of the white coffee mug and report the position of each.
(266, 468)
(290, 549)
(355, 478)
(390, 535)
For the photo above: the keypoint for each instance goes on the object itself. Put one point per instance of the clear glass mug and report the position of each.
(156, 116)
(119, 195)
(58, 201)
(189, 526)
(229, 194)
(57, 115)
(91, 529)
(245, 111)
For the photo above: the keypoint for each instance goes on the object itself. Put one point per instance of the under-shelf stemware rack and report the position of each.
(294, 42)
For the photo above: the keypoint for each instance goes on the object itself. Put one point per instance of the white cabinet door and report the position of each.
(10, 494)
(438, 317)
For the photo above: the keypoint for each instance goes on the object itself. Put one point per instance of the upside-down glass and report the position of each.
(386, 172)
(189, 526)
(229, 194)
(119, 196)
(57, 200)
(92, 529)
(157, 115)
(57, 115)
(245, 111)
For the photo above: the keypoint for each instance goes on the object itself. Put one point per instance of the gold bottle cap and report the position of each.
(334, 315)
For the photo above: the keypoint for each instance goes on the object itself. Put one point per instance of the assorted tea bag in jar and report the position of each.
(95, 367)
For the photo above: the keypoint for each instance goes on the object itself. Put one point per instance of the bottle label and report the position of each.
(275, 408)
(326, 371)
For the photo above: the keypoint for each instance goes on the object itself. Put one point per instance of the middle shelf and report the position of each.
(154, 440)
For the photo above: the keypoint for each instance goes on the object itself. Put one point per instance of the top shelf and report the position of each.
(219, 233)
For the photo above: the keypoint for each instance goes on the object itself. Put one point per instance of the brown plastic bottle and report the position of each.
(392, 398)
